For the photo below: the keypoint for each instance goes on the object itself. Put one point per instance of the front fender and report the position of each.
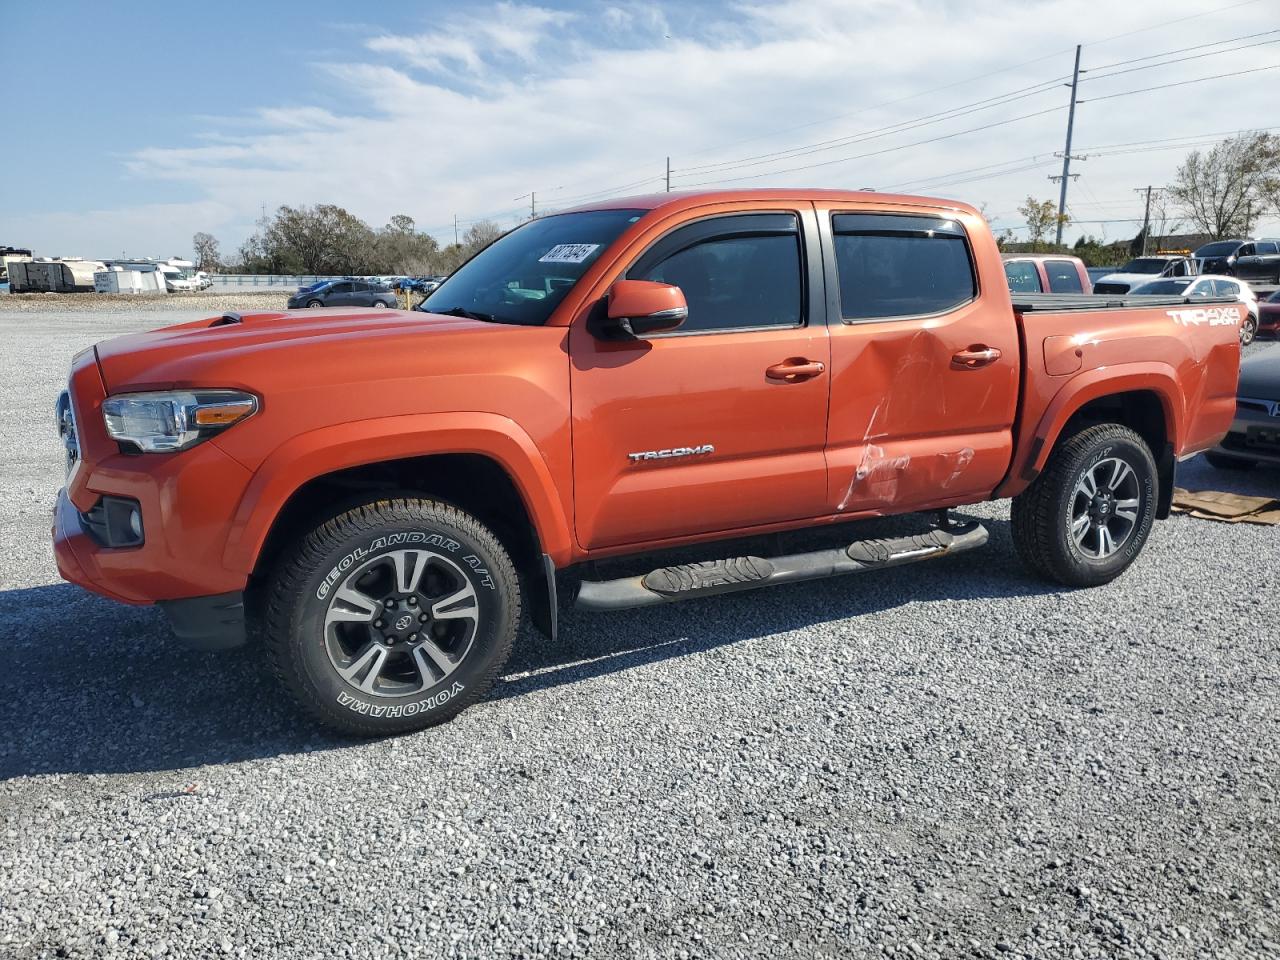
(319, 452)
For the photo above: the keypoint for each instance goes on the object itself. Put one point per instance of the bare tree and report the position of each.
(1225, 191)
(206, 248)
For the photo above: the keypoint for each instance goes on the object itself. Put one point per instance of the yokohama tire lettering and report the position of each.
(400, 709)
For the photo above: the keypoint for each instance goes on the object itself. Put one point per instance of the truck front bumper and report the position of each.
(214, 622)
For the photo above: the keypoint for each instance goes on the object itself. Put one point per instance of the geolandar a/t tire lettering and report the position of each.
(1088, 515)
(392, 616)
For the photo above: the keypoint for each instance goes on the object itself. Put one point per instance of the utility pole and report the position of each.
(1066, 154)
(533, 206)
(668, 174)
(455, 230)
(1146, 221)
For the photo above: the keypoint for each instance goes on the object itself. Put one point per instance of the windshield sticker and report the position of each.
(569, 253)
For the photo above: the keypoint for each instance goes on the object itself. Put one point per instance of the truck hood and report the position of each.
(1133, 279)
(1260, 375)
(220, 351)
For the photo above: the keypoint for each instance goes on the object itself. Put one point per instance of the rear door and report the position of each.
(924, 362)
(702, 429)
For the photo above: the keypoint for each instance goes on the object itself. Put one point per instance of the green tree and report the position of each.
(1041, 216)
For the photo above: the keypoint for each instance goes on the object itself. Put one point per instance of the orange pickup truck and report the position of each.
(377, 495)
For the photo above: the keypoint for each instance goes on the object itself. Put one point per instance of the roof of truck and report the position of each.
(693, 198)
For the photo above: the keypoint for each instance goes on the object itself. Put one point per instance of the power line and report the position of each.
(876, 153)
(1013, 95)
(1182, 83)
(1167, 63)
(1198, 46)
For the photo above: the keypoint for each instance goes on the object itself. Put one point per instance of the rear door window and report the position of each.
(1023, 276)
(1266, 248)
(1063, 276)
(901, 266)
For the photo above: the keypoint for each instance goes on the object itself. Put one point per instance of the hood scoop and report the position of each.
(227, 319)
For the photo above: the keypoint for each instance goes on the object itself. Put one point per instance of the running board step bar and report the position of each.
(669, 584)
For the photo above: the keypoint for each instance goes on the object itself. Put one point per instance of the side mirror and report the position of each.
(641, 307)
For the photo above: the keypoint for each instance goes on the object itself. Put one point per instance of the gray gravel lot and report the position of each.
(942, 760)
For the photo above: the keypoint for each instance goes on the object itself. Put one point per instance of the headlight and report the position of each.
(174, 420)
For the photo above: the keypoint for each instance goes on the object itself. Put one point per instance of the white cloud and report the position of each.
(516, 98)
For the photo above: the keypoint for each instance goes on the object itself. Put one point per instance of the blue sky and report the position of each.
(146, 127)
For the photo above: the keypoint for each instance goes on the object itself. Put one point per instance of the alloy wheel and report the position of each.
(1104, 508)
(401, 622)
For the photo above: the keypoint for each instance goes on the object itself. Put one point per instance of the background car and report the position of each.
(1038, 273)
(343, 293)
(1254, 436)
(1209, 288)
(1259, 261)
(1219, 257)
(1143, 270)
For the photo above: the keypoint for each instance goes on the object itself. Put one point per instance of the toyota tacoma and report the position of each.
(380, 496)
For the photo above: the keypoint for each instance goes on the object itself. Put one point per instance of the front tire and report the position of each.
(392, 616)
(379, 303)
(314, 304)
(1084, 520)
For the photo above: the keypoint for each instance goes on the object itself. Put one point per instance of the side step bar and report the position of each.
(669, 584)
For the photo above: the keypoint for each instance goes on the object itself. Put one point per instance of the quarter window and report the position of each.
(736, 272)
(1063, 276)
(1023, 276)
(901, 266)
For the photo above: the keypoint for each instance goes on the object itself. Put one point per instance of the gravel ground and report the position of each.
(942, 760)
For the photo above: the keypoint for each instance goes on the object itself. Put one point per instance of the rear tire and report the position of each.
(1220, 461)
(1088, 515)
(312, 304)
(392, 616)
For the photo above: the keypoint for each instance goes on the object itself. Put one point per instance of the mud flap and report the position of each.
(1166, 473)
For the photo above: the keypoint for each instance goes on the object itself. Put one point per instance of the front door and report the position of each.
(924, 364)
(704, 429)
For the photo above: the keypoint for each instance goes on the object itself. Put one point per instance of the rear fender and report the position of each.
(1158, 378)
(319, 452)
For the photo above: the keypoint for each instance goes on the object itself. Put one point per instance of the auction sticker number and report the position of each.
(569, 253)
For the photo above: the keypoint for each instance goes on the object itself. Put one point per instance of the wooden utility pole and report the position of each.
(533, 206)
(668, 174)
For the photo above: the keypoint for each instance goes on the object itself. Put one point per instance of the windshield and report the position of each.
(522, 276)
(1223, 248)
(1145, 265)
(1164, 286)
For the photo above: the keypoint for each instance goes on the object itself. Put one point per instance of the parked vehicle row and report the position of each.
(1160, 275)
